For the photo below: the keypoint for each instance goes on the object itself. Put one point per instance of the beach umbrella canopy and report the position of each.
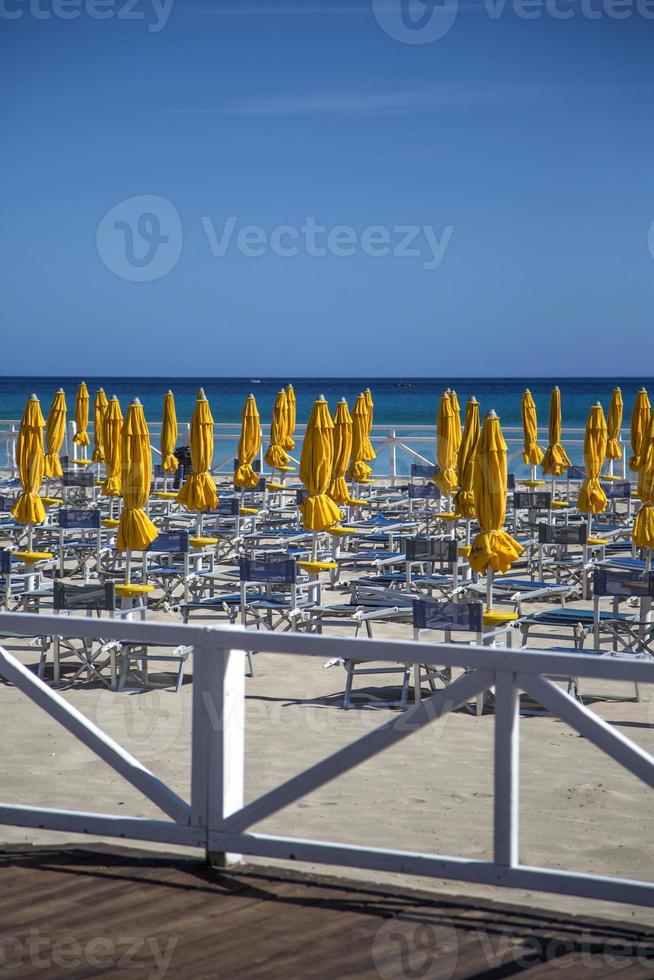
(81, 437)
(639, 426)
(111, 441)
(465, 498)
(199, 491)
(169, 433)
(446, 448)
(643, 529)
(55, 431)
(135, 530)
(493, 547)
(359, 470)
(338, 489)
(456, 408)
(370, 453)
(291, 401)
(592, 499)
(532, 453)
(99, 411)
(249, 444)
(276, 455)
(30, 458)
(555, 460)
(319, 512)
(613, 424)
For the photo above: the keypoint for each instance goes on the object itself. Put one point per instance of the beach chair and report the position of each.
(78, 486)
(15, 583)
(536, 503)
(274, 592)
(171, 569)
(89, 656)
(423, 471)
(79, 539)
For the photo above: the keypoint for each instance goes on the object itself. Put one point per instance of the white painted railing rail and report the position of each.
(217, 818)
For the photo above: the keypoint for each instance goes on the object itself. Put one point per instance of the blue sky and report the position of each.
(518, 154)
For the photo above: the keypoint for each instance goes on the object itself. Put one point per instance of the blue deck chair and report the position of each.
(89, 656)
(535, 502)
(171, 569)
(78, 485)
(80, 538)
(423, 471)
(273, 592)
(15, 583)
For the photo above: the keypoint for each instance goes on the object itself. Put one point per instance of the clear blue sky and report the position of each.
(530, 140)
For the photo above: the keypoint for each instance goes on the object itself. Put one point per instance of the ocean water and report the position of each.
(399, 401)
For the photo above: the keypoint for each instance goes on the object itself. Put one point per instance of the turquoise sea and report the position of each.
(399, 401)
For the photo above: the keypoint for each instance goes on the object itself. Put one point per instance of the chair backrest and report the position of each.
(183, 457)
(428, 491)
(95, 597)
(78, 518)
(282, 571)
(172, 542)
(228, 507)
(576, 473)
(5, 561)
(78, 478)
(434, 614)
(6, 502)
(432, 549)
(622, 582)
(255, 464)
(177, 477)
(510, 481)
(532, 499)
(423, 471)
(301, 495)
(617, 489)
(563, 533)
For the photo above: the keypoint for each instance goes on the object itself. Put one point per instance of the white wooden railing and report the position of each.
(217, 818)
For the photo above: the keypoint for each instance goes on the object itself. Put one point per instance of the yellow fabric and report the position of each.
(613, 423)
(369, 452)
(493, 547)
(111, 441)
(465, 498)
(29, 508)
(555, 460)
(359, 469)
(169, 433)
(100, 404)
(135, 531)
(276, 455)
(338, 489)
(532, 454)
(292, 412)
(199, 491)
(319, 512)
(446, 449)
(643, 529)
(639, 425)
(81, 437)
(55, 431)
(456, 408)
(249, 444)
(592, 499)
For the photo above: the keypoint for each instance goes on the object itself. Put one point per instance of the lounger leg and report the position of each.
(417, 690)
(349, 667)
(250, 663)
(405, 688)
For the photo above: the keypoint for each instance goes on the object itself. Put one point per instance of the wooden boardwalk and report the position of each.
(109, 912)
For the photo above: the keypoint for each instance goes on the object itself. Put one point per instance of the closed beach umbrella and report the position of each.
(100, 404)
(555, 460)
(639, 425)
(592, 499)
(643, 530)
(465, 498)
(292, 413)
(532, 454)
(135, 530)
(370, 453)
(613, 424)
(276, 455)
(359, 470)
(446, 450)
(338, 490)
(456, 408)
(199, 491)
(249, 444)
(493, 549)
(319, 511)
(30, 458)
(81, 437)
(55, 431)
(112, 430)
(169, 433)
